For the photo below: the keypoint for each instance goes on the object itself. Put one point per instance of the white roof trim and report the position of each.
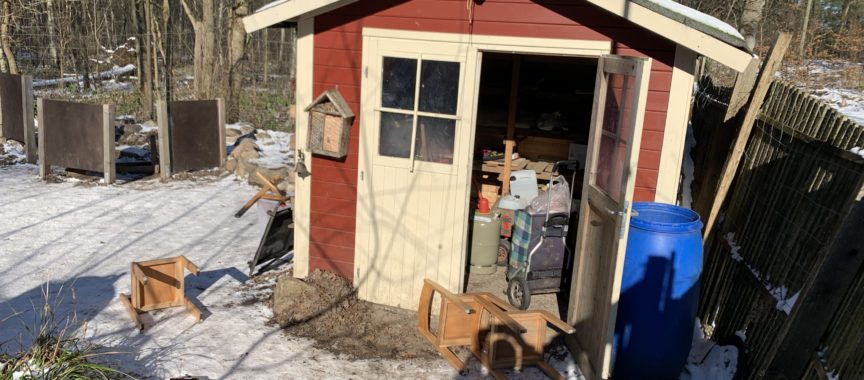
(276, 12)
(684, 35)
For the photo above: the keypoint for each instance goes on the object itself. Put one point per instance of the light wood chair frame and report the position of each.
(484, 323)
(158, 284)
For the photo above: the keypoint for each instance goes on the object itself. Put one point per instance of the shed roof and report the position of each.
(685, 26)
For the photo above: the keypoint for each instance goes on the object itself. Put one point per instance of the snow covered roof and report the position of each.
(702, 22)
(685, 26)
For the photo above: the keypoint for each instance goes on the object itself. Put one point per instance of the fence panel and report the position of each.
(795, 186)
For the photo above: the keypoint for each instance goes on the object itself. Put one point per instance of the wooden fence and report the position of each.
(777, 237)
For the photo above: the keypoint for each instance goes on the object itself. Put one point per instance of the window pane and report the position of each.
(394, 137)
(439, 86)
(610, 167)
(434, 142)
(399, 81)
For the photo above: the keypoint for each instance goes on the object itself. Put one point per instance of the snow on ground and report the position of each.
(275, 151)
(708, 361)
(848, 102)
(80, 239)
(785, 301)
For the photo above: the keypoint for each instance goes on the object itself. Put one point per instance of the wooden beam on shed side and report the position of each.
(43, 162)
(110, 169)
(763, 82)
(164, 137)
(220, 106)
(29, 128)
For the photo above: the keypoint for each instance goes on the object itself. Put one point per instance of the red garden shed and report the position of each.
(434, 81)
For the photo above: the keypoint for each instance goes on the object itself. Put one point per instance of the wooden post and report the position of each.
(27, 114)
(164, 140)
(822, 293)
(763, 82)
(744, 83)
(43, 160)
(220, 105)
(110, 170)
(511, 124)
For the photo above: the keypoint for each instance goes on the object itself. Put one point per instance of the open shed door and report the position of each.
(607, 196)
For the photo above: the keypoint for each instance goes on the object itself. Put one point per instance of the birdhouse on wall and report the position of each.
(330, 120)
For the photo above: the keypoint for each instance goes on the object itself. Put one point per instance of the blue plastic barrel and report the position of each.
(659, 292)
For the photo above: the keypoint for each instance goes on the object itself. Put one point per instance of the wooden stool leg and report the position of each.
(127, 303)
(192, 309)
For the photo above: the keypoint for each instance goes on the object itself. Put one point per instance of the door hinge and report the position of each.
(622, 220)
(361, 176)
(366, 71)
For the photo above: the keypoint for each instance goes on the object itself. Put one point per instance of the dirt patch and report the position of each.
(324, 307)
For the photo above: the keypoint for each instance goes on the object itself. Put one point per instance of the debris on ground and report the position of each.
(325, 307)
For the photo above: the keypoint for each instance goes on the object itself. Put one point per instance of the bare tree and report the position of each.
(236, 53)
(6, 38)
(204, 27)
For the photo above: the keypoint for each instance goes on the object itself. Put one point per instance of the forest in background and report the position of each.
(198, 49)
(181, 49)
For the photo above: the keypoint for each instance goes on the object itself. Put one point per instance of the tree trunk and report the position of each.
(166, 43)
(52, 44)
(751, 18)
(204, 48)
(144, 54)
(6, 39)
(236, 53)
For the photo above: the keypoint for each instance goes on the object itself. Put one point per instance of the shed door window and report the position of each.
(419, 99)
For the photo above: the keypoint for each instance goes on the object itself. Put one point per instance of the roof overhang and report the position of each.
(702, 43)
(288, 10)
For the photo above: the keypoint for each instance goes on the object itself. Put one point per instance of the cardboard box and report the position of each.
(544, 149)
(490, 192)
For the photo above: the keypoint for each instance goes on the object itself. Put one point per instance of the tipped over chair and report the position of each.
(498, 335)
(158, 284)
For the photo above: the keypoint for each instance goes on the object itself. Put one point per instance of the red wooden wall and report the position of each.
(337, 62)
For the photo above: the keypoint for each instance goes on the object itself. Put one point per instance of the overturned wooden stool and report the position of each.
(499, 336)
(268, 191)
(159, 284)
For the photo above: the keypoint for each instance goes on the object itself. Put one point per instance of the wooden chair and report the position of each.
(158, 284)
(498, 335)
(268, 191)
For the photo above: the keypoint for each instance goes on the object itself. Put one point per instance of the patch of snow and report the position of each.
(858, 150)
(785, 303)
(116, 70)
(707, 360)
(113, 85)
(742, 334)
(849, 102)
(271, 5)
(688, 168)
(147, 128)
(734, 247)
(275, 151)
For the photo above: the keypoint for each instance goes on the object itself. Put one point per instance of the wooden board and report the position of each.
(75, 136)
(278, 238)
(11, 107)
(195, 137)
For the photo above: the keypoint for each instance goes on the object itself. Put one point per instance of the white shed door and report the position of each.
(412, 185)
(607, 196)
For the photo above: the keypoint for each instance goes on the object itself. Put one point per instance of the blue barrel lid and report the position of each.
(662, 217)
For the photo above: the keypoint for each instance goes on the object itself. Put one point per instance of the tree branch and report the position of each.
(188, 12)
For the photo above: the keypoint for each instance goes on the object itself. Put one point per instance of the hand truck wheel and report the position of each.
(518, 292)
